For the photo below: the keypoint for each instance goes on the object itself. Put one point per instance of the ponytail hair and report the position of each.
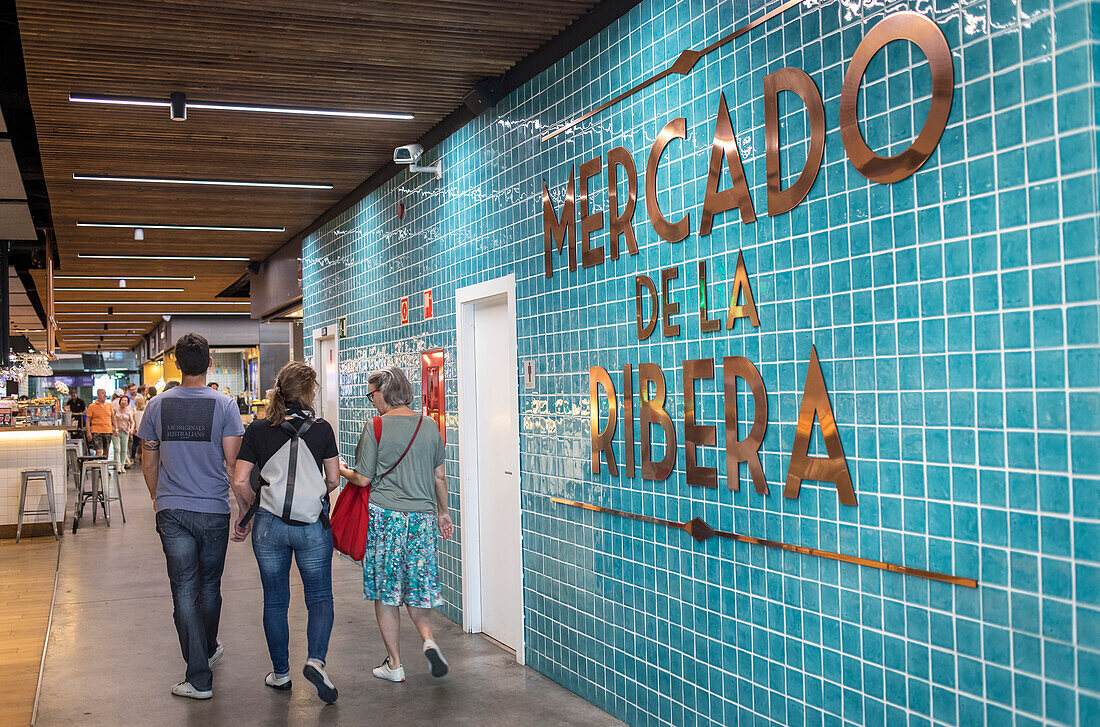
(295, 384)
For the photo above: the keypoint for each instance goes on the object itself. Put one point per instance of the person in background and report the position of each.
(276, 538)
(77, 406)
(131, 391)
(408, 502)
(171, 385)
(124, 424)
(137, 403)
(242, 404)
(139, 413)
(115, 397)
(190, 439)
(100, 423)
(213, 385)
(150, 392)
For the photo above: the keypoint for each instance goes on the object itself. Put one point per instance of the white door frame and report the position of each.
(320, 334)
(466, 299)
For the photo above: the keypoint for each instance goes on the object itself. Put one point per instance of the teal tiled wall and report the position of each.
(955, 314)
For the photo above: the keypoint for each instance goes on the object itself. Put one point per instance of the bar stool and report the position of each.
(72, 461)
(94, 475)
(24, 479)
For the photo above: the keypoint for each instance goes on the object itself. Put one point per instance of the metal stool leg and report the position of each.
(106, 491)
(22, 504)
(49, 502)
(96, 477)
(118, 495)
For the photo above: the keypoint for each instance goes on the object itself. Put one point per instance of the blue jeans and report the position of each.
(273, 542)
(194, 546)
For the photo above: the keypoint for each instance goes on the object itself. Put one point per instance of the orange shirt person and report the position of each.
(100, 423)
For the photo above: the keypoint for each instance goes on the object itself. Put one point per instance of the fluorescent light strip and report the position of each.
(208, 182)
(106, 315)
(161, 257)
(226, 106)
(124, 277)
(145, 226)
(124, 290)
(151, 302)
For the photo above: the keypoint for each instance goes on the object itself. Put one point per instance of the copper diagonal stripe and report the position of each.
(683, 65)
(691, 526)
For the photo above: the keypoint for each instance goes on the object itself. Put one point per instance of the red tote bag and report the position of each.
(350, 518)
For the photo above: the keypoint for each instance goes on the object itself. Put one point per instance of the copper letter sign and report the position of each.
(929, 38)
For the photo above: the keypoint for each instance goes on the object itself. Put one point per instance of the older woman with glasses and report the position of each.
(401, 456)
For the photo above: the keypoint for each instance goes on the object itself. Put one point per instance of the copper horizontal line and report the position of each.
(683, 65)
(699, 530)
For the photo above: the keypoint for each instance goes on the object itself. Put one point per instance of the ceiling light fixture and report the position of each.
(69, 313)
(178, 105)
(207, 182)
(151, 302)
(223, 228)
(124, 277)
(128, 290)
(160, 257)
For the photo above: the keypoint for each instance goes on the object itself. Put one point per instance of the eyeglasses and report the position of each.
(370, 395)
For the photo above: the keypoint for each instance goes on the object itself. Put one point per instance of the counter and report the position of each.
(30, 447)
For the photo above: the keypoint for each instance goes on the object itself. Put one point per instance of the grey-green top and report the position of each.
(411, 486)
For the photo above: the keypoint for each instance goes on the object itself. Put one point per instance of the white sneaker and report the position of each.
(217, 655)
(282, 683)
(315, 673)
(392, 675)
(435, 657)
(184, 689)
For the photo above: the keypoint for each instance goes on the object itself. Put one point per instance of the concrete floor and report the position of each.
(113, 653)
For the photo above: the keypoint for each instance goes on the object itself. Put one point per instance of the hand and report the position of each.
(153, 501)
(446, 527)
(239, 532)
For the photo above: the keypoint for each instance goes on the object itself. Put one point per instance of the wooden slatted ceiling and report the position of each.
(369, 55)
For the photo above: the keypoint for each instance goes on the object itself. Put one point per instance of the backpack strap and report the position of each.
(292, 465)
(378, 430)
(292, 468)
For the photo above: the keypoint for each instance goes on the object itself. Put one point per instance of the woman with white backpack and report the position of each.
(286, 511)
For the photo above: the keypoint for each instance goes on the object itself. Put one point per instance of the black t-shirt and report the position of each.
(76, 405)
(261, 441)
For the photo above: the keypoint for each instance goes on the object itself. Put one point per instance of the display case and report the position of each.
(432, 389)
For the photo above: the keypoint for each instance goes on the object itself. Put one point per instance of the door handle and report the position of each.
(507, 472)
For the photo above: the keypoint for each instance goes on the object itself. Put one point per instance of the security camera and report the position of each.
(410, 154)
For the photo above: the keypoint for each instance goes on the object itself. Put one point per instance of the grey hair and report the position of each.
(394, 386)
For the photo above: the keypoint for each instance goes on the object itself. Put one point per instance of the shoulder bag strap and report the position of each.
(407, 447)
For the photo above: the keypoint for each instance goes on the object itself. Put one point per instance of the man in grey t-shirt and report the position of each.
(191, 436)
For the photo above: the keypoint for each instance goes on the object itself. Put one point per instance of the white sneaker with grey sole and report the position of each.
(390, 675)
(184, 689)
(217, 655)
(314, 671)
(282, 683)
(435, 658)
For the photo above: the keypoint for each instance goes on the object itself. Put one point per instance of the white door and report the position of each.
(495, 373)
(327, 374)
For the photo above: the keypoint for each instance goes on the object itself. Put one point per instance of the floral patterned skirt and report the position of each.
(399, 567)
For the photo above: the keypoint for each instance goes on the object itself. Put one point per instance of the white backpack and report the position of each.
(291, 485)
